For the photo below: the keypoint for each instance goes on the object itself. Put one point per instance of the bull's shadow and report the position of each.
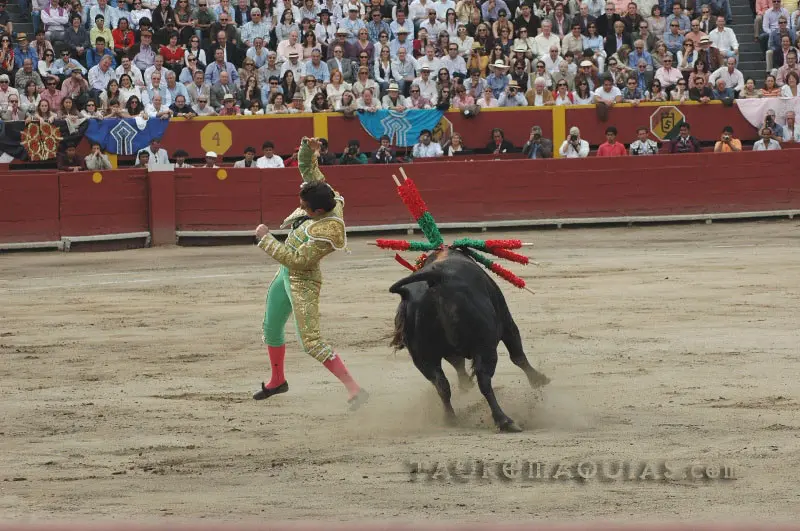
(452, 309)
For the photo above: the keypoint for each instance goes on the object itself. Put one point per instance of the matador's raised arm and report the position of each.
(307, 160)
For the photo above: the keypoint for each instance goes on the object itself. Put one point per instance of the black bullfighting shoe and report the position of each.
(359, 400)
(266, 393)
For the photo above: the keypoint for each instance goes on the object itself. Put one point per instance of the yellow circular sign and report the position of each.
(222, 175)
(216, 137)
(97, 177)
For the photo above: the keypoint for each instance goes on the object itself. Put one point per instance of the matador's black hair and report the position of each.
(318, 195)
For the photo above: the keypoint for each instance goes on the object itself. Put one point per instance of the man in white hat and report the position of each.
(393, 100)
(574, 147)
(512, 96)
(340, 39)
(426, 85)
(353, 24)
(211, 160)
(255, 28)
(294, 65)
(499, 79)
(401, 40)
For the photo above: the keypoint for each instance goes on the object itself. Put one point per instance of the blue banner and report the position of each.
(125, 136)
(403, 128)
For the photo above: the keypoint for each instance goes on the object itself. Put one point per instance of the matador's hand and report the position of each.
(314, 144)
(261, 231)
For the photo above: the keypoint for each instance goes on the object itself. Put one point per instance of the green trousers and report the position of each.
(304, 302)
(278, 309)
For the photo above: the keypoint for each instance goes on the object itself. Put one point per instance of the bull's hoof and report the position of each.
(266, 393)
(451, 420)
(509, 426)
(538, 380)
(465, 386)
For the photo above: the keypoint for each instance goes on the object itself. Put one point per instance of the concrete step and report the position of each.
(751, 55)
(742, 9)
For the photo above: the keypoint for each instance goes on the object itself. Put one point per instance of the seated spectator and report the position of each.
(180, 157)
(790, 66)
(498, 144)
(211, 160)
(791, 133)
(456, 146)
(749, 91)
(249, 159)
(700, 70)
(511, 96)
(771, 88)
(789, 90)
(229, 107)
(393, 100)
(538, 96)
(727, 143)
(537, 146)
(69, 160)
(97, 160)
(608, 94)
(156, 109)
(766, 143)
(415, 99)
(730, 74)
(14, 113)
(426, 148)
(685, 142)
(701, 92)
(679, 94)
(574, 146)
(326, 158)
(42, 114)
(723, 93)
(202, 107)
(643, 146)
(182, 109)
(115, 110)
(143, 159)
(384, 153)
(353, 155)
(462, 99)
(611, 148)
(367, 102)
(269, 159)
(632, 93)
(667, 75)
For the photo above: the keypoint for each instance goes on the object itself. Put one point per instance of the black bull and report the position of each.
(452, 309)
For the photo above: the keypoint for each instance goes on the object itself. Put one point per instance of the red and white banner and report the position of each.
(755, 110)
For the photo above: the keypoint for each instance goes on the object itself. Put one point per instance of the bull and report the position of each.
(451, 309)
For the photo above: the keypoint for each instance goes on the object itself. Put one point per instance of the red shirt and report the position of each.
(617, 149)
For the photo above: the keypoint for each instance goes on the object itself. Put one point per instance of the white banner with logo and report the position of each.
(755, 110)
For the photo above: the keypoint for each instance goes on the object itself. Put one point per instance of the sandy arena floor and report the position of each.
(126, 380)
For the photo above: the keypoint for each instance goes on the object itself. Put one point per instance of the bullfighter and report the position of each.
(317, 230)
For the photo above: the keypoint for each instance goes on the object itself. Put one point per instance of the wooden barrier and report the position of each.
(483, 193)
(228, 136)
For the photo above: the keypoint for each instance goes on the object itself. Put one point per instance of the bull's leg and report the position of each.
(484, 370)
(435, 374)
(513, 342)
(464, 381)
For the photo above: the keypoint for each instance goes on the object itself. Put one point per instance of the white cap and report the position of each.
(211, 154)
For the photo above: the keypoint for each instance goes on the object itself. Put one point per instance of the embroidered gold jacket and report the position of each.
(314, 239)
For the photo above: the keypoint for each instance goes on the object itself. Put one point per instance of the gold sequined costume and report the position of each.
(297, 284)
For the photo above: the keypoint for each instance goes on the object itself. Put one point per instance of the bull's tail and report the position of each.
(398, 341)
(431, 276)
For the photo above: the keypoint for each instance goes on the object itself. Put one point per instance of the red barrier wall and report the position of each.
(29, 207)
(106, 202)
(229, 136)
(706, 122)
(219, 199)
(229, 199)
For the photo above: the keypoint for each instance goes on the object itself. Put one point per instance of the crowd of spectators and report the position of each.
(162, 58)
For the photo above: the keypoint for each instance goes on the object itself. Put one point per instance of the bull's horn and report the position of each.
(396, 180)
